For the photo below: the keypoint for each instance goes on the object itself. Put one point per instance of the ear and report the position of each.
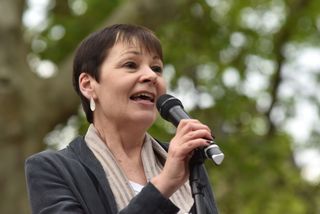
(86, 85)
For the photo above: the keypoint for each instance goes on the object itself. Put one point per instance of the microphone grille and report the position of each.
(165, 103)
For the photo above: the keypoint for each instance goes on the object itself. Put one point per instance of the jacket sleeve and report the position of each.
(150, 200)
(47, 190)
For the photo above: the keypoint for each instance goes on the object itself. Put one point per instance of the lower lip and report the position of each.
(145, 103)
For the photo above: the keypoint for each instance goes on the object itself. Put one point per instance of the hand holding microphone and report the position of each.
(171, 109)
(191, 137)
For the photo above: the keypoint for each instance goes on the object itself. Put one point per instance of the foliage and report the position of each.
(65, 16)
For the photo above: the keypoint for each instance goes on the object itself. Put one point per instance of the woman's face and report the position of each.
(130, 82)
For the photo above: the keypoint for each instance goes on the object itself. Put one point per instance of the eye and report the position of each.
(130, 65)
(157, 69)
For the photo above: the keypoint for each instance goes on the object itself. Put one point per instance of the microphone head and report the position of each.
(165, 103)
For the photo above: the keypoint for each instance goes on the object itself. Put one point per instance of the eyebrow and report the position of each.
(137, 53)
(131, 52)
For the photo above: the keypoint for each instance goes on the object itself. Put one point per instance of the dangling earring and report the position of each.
(92, 104)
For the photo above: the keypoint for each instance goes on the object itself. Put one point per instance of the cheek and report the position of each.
(162, 87)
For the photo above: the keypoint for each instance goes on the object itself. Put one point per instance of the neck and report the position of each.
(122, 140)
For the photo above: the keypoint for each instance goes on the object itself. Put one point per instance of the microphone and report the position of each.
(171, 109)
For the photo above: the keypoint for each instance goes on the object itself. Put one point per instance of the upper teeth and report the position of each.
(146, 94)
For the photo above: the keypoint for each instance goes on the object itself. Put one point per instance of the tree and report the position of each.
(197, 38)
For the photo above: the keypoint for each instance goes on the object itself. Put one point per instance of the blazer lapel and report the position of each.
(96, 172)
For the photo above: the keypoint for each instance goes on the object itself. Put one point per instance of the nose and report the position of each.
(148, 75)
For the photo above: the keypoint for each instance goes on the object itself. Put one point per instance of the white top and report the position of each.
(136, 187)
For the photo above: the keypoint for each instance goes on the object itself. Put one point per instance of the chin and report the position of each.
(146, 119)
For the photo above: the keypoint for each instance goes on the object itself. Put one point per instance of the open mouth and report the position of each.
(143, 96)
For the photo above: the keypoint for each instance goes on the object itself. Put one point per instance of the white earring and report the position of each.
(92, 104)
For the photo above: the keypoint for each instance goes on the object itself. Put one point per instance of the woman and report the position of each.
(117, 167)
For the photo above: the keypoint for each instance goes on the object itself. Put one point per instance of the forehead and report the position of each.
(133, 46)
(142, 40)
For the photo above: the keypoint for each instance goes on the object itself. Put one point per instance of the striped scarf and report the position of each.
(153, 157)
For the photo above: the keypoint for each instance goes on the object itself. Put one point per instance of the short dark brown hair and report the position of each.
(93, 50)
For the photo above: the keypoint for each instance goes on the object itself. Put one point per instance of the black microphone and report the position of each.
(171, 109)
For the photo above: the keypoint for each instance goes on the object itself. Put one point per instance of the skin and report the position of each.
(122, 122)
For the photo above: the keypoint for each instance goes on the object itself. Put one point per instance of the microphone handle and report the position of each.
(176, 114)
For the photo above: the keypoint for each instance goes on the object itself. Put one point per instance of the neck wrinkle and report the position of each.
(123, 138)
(121, 145)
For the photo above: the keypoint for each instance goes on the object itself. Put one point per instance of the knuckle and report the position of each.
(184, 121)
(189, 144)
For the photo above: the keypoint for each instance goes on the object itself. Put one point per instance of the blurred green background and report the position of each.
(250, 69)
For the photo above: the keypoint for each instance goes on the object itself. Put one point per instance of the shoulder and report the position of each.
(46, 154)
(47, 157)
(52, 158)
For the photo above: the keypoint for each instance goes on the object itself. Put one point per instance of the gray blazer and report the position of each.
(73, 181)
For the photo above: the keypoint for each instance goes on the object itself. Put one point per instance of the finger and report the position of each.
(191, 145)
(200, 133)
(191, 125)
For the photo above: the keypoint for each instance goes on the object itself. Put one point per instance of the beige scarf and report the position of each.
(152, 155)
